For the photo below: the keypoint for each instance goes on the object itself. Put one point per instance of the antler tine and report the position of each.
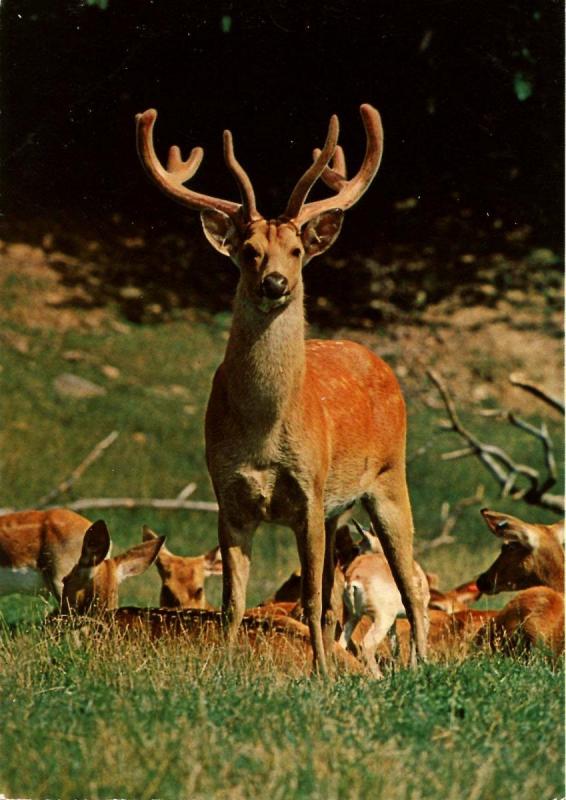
(247, 194)
(334, 176)
(184, 170)
(350, 191)
(171, 180)
(313, 173)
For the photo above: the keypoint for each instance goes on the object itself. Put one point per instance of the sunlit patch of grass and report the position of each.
(122, 716)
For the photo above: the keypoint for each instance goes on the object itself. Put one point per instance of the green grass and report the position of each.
(105, 717)
(108, 717)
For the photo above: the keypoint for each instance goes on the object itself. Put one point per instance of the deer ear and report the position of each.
(220, 230)
(138, 558)
(322, 231)
(213, 562)
(96, 545)
(511, 529)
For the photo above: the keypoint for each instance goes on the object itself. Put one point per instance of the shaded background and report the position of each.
(471, 96)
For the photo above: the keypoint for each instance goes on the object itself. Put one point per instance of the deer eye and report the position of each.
(250, 253)
(296, 252)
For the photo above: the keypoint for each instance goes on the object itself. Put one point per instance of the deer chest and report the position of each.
(272, 494)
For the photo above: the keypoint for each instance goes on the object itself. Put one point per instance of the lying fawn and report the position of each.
(37, 550)
(453, 600)
(183, 577)
(531, 559)
(286, 639)
(92, 584)
(296, 431)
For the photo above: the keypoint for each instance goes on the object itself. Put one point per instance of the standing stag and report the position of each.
(296, 431)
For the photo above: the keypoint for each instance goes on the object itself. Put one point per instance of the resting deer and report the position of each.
(282, 639)
(92, 584)
(531, 559)
(183, 577)
(453, 600)
(296, 431)
(37, 550)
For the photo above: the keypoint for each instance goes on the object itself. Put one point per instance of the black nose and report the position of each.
(274, 285)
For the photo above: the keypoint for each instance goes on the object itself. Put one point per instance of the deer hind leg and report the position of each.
(236, 549)
(371, 641)
(311, 546)
(389, 509)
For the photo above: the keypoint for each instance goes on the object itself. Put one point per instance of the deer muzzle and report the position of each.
(274, 286)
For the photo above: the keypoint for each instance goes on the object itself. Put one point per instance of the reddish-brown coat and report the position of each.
(295, 432)
(531, 559)
(46, 542)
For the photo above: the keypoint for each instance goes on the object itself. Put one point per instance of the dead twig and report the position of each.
(449, 517)
(187, 491)
(167, 503)
(536, 390)
(66, 484)
(501, 465)
(181, 502)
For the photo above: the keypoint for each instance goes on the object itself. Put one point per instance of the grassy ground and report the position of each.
(112, 718)
(109, 718)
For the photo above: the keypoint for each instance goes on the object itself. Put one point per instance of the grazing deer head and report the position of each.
(38, 548)
(531, 555)
(183, 577)
(93, 582)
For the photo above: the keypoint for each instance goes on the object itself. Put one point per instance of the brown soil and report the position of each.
(475, 347)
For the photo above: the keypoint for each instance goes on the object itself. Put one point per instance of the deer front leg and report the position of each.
(331, 599)
(311, 545)
(236, 549)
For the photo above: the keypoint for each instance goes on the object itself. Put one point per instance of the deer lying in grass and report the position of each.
(531, 559)
(37, 550)
(454, 600)
(183, 577)
(296, 431)
(280, 637)
(452, 624)
(92, 584)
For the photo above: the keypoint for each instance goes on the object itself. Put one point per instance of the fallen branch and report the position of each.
(66, 484)
(449, 519)
(501, 465)
(536, 390)
(187, 491)
(142, 502)
(168, 503)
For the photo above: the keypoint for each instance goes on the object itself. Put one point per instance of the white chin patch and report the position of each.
(267, 305)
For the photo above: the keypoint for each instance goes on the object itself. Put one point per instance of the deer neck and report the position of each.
(551, 569)
(265, 360)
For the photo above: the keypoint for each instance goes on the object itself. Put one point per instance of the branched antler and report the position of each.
(502, 466)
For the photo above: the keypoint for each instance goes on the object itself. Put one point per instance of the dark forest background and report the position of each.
(471, 96)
